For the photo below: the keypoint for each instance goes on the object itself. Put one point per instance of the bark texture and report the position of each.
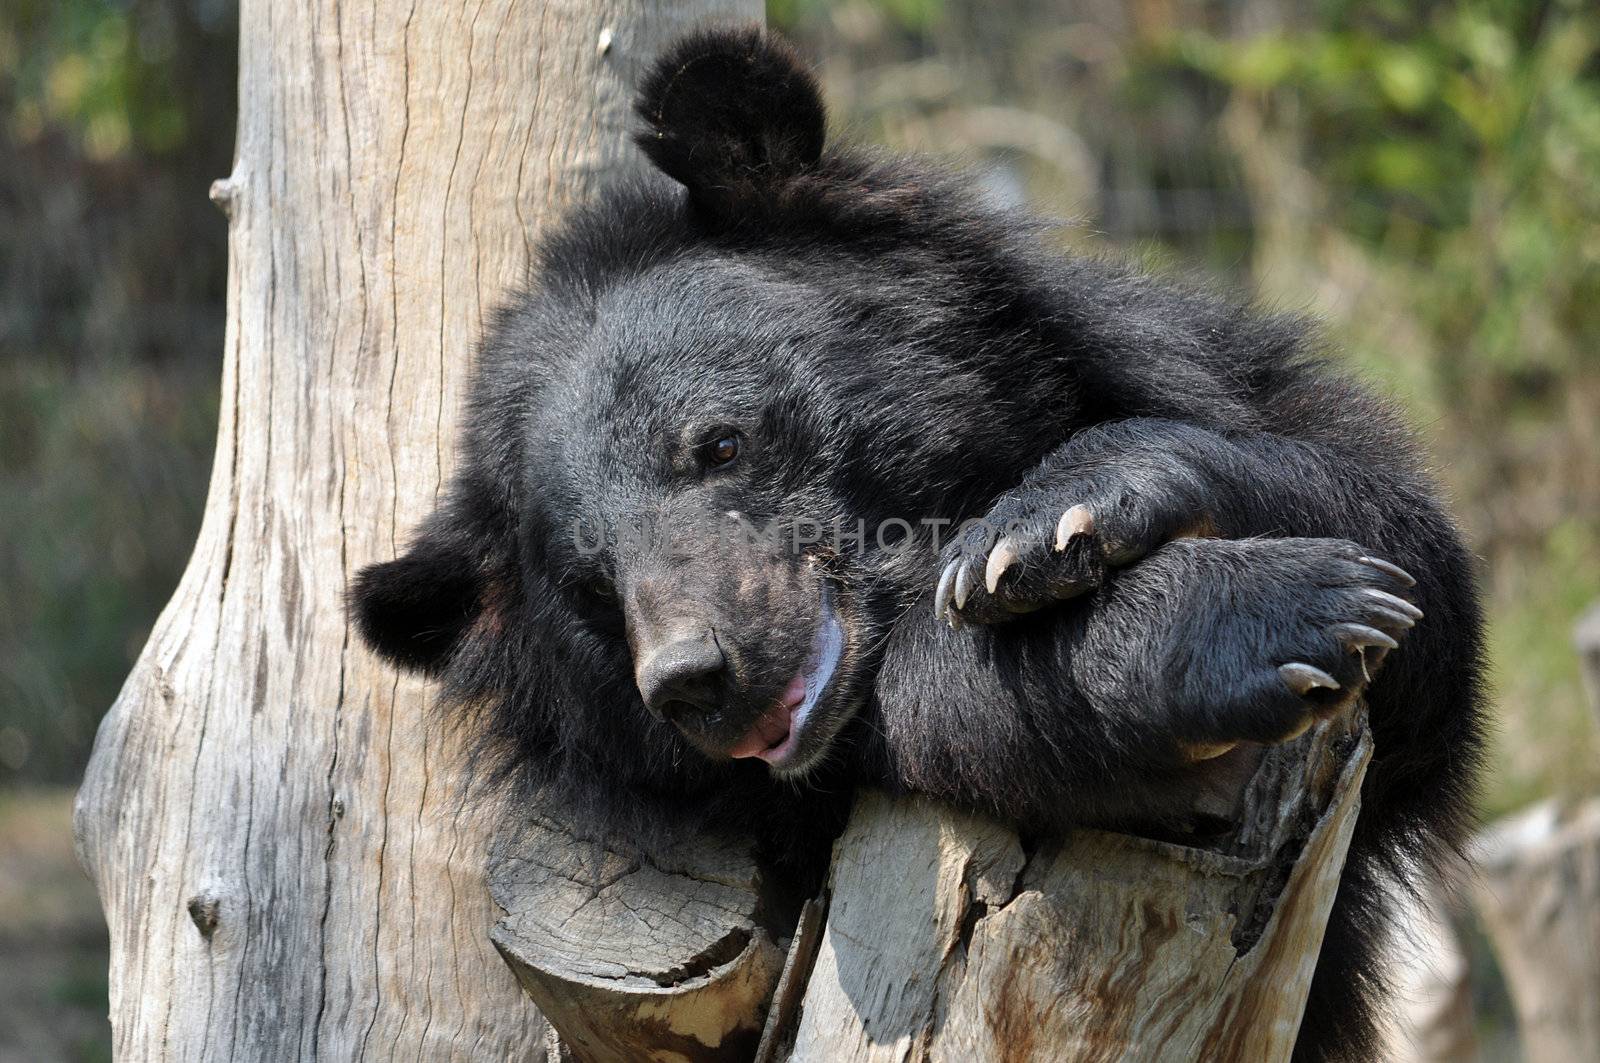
(946, 939)
(286, 866)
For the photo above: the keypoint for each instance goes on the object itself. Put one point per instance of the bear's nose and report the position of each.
(682, 675)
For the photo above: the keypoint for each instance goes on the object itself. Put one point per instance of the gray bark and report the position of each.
(287, 865)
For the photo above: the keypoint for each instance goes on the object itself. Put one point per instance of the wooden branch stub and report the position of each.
(946, 940)
(785, 1007)
(662, 955)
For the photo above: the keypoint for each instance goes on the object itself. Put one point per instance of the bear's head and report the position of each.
(710, 450)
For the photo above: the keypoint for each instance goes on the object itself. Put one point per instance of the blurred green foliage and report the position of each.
(102, 476)
(94, 70)
(1456, 148)
(1464, 140)
(114, 117)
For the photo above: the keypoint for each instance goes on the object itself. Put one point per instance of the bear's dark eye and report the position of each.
(601, 589)
(723, 449)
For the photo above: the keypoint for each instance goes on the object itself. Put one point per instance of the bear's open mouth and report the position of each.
(775, 736)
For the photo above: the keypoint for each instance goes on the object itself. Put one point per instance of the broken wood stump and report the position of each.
(945, 936)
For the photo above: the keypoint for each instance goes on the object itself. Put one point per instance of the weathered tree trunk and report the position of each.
(1586, 640)
(286, 866)
(1538, 891)
(944, 938)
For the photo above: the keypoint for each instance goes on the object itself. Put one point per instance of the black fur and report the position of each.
(882, 345)
(729, 114)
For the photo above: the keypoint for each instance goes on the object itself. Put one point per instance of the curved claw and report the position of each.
(1397, 603)
(1389, 569)
(941, 596)
(1304, 678)
(1392, 619)
(963, 584)
(1000, 559)
(1077, 520)
(1360, 636)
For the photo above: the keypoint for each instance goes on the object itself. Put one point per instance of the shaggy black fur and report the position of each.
(815, 335)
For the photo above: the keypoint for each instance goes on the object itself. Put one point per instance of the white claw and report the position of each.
(1304, 678)
(1395, 602)
(1360, 636)
(1389, 568)
(941, 596)
(1075, 521)
(963, 586)
(1000, 558)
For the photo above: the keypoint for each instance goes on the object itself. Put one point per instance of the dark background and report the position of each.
(1425, 176)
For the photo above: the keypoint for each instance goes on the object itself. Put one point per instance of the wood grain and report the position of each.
(947, 939)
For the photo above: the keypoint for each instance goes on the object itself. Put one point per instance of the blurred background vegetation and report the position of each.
(1424, 175)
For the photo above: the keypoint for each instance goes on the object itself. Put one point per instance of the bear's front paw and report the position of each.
(1294, 635)
(1045, 543)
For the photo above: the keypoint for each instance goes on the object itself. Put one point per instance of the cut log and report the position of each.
(1538, 892)
(663, 954)
(947, 939)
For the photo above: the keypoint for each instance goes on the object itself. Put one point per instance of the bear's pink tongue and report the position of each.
(771, 729)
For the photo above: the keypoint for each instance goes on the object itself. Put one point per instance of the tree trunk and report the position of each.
(287, 867)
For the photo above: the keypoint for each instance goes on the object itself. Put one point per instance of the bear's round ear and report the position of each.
(731, 113)
(451, 583)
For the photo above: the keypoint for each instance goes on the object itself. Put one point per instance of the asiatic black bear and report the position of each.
(797, 466)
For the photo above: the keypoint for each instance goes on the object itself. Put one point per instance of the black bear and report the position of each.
(797, 466)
